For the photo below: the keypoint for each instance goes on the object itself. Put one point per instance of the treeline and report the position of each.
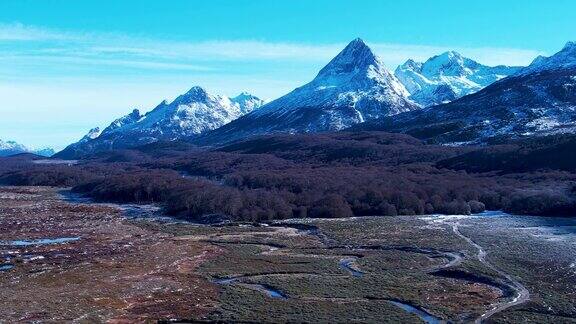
(278, 177)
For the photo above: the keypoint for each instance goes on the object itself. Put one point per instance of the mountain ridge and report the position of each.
(353, 87)
(190, 114)
(8, 148)
(538, 100)
(447, 77)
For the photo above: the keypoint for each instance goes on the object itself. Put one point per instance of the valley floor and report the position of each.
(64, 261)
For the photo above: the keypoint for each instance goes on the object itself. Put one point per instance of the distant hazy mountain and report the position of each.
(354, 87)
(190, 114)
(538, 100)
(11, 148)
(446, 77)
(47, 152)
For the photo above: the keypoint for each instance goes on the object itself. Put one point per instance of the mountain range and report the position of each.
(352, 88)
(537, 100)
(447, 99)
(446, 77)
(10, 148)
(190, 114)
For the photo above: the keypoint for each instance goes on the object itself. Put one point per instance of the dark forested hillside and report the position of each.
(518, 106)
(321, 175)
(552, 152)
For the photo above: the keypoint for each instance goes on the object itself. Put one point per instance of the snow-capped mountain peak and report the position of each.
(190, 114)
(411, 64)
(353, 87)
(355, 78)
(446, 77)
(538, 100)
(538, 59)
(449, 63)
(448, 57)
(129, 119)
(247, 102)
(355, 57)
(244, 96)
(92, 134)
(570, 46)
(357, 65)
(11, 147)
(195, 94)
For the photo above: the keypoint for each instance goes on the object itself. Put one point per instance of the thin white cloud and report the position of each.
(20, 32)
(502, 56)
(125, 48)
(392, 54)
(37, 60)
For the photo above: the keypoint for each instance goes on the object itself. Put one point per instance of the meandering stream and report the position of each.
(44, 241)
(268, 290)
(522, 294)
(345, 262)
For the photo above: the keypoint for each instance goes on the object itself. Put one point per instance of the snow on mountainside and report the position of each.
(446, 77)
(131, 118)
(247, 102)
(190, 114)
(92, 134)
(355, 78)
(538, 100)
(354, 87)
(564, 59)
(10, 148)
(47, 152)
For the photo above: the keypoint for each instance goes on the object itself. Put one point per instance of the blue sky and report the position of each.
(67, 66)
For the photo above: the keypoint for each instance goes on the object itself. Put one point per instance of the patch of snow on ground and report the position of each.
(543, 123)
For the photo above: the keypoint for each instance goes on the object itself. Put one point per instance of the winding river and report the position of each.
(522, 294)
(345, 262)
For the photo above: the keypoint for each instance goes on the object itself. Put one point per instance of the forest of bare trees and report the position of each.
(324, 175)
